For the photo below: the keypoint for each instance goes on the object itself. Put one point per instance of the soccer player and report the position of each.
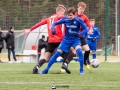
(80, 13)
(92, 37)
(53, 40)
(71, 38)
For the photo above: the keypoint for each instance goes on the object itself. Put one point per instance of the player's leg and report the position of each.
(63, 47)
(51, 61)
(86, 49)
(71, 54)
(66, 61)
(41, 62)
(86, 56)
(64, 67)
(78, 48)
(93, 49)
(50, 49)
(39, 56)
(81, 58)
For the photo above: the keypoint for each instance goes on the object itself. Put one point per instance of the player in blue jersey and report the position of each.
(71, 38)
(92, 37)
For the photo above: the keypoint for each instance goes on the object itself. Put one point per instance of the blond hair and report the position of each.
(82, 4)
(59, 7)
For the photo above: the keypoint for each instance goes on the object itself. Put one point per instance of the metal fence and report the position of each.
(25, 13)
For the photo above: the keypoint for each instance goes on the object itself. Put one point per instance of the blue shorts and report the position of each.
(92, 45)
(66, 44)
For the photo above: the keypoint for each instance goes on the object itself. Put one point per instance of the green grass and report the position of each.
(20, 77)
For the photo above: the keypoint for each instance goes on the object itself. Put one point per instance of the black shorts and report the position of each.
(51, 47)
(83, 41)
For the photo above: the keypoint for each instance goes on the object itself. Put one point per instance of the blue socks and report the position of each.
(53, 59)
(81, 58)
(94, 56)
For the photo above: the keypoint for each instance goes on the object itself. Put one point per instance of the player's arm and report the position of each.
(44, 21)
(87, 22)
(84, 27)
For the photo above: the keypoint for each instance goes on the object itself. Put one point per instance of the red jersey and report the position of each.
(49, 21)
(85, 19)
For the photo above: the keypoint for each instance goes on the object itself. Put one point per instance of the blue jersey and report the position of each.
(92, 38)
(72, 27)
(95, 33)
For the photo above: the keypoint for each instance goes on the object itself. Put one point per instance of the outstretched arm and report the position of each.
(44, 21)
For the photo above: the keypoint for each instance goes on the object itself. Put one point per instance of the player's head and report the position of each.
(60, 9)
(92, 22)
(81, 8)
(71, 12)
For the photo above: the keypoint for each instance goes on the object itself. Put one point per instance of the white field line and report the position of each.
(59, 84)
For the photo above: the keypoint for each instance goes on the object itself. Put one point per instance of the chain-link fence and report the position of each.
(25, 13)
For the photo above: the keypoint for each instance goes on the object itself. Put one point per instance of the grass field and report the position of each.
(19, 77)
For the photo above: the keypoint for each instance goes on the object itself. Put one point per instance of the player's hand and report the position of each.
(53, 31)
(26, 30)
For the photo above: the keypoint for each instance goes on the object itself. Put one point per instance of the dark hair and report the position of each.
(10, 28)
(43, 36)
(71, 10)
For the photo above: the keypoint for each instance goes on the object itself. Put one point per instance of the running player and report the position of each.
(71, 38)
(92, 38)
(53, 40)
(80, 13)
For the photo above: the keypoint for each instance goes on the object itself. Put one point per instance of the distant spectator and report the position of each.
(10, 43)
(1, 43)
(41, 44)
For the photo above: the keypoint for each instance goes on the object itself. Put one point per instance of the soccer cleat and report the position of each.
(66, 69)
(44, 72)
(87, 66)
(35, 70)
(81, 71)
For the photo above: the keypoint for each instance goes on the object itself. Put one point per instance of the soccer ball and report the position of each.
(95, 63)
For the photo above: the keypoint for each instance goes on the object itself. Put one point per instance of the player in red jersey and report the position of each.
(80, 13)
(54, 40)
